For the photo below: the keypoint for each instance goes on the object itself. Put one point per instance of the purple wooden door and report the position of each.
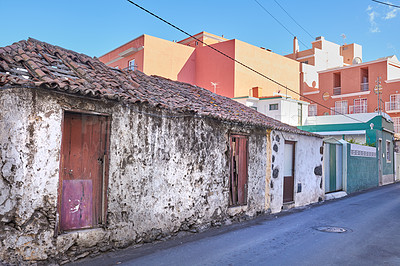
(83, 168)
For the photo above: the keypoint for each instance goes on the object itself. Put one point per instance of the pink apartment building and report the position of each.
(335, 76)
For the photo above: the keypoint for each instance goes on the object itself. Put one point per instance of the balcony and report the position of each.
(358, 109)
(364, 86)
(391, 107)
(337, 91)
(338, 110)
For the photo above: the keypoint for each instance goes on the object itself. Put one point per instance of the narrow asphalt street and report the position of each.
(372, 221)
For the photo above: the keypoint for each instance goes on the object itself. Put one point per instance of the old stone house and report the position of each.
(93, 157)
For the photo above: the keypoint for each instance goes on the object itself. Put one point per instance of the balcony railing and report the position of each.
(338, 110)
(358, 109)
(392, 106)
(364, 86)
(337, 91)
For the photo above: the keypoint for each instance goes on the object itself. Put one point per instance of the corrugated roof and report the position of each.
(34, 63)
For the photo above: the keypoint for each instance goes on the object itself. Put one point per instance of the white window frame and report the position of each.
(273, 104)
(388, 157)
(131, 64)
(312, 110)
(341, 107)
(360, 106)
(396, 124)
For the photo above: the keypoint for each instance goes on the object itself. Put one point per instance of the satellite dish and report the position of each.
(357, 60)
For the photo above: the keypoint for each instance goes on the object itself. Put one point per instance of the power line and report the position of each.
(294, 19)
(235, 60)
(278, 21)
(388, 4)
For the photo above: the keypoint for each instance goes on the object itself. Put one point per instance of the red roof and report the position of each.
(36, 64)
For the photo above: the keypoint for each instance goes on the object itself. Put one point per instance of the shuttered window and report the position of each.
(238, 175)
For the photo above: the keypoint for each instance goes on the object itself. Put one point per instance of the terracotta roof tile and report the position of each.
(38, 64)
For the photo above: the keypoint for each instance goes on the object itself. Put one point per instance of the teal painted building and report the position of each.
(358, 150)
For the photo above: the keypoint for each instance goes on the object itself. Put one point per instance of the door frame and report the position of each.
(380, 163)
(293, 172)
(105, 178)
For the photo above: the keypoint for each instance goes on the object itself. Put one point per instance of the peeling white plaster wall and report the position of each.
(166, 175)
(307, 161)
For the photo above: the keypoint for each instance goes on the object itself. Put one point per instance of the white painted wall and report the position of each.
(287, 109)
(393, 72)
(328, 57)
(307, 158)
(310, 75)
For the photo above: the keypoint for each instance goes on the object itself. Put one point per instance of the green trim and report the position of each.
(332, 167)
(243, 97)
(269, 98)
(378, 121)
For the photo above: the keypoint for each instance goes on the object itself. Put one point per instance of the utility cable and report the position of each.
(388, 4)
(238, 62)
(294, 20)
(279, 22)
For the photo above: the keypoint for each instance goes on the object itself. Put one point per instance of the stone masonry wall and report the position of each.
(166, 176)
(307, 170)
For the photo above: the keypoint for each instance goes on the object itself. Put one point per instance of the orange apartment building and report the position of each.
(191, 61)
(335, 76)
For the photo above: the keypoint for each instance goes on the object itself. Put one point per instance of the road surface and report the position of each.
(372, 237)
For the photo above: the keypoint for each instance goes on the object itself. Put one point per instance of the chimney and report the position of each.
(295, 45)
(256, 92)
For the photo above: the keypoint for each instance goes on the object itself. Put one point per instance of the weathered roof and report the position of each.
(33, 63)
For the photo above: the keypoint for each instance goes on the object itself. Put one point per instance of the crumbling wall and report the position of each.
(167, 176)
(29, 139)
(308, 179)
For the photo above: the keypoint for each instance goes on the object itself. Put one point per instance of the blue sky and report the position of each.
(96, 27)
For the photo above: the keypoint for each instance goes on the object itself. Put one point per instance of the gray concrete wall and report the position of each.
(167, 176)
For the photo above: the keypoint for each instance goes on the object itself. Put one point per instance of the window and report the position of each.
(254, 107)
(364, 79)
(388, 157)
(238, 174)
(273, 106)
(132, 65)
(305, 62)
(394, 103)
(312, 110)
(396, 123)
(337, 88)
(360, 106)
(299, 114)
(340, 108)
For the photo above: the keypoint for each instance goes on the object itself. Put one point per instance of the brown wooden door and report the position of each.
(83, 171)
(288, 172)
(238, 176)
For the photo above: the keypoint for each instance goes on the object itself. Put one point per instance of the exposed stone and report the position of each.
(275, 173)
(275, 148)
(273, 158)
(318, 170)
(277, 138)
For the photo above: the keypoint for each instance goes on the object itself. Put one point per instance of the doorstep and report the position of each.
(335, 195)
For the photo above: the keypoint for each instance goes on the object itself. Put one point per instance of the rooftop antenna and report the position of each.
(214, 84)
(344, 38)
